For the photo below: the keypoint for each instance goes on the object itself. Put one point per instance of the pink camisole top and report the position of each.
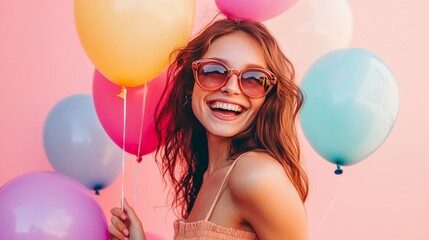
(206, 230)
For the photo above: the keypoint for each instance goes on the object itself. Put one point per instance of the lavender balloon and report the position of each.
(49, 206)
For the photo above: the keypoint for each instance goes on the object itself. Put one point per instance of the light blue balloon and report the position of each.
(351, 104)
(77, 145)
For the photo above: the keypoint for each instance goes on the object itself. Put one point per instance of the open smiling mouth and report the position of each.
(227, 109)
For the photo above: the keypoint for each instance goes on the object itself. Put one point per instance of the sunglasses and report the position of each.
(211, 74)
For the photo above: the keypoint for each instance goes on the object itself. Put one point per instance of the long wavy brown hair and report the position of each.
(183, 141)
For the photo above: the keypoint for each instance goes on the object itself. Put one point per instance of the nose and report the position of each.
(232, 87)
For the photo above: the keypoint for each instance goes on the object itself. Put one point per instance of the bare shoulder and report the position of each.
(266, 198)
(256, 170)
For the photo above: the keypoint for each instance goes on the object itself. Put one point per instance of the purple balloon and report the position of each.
(49, 206)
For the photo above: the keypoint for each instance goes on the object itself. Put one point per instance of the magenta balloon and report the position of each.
(256, 10)
(110, 111)
(49, 206)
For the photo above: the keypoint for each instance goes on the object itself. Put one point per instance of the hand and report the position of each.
(125, 224)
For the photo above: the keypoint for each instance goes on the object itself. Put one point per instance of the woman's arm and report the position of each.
(125, 224)
(267, 199)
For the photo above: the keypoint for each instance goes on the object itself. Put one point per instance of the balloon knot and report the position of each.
(97, 189)
(121, 94)
(338, 171)
(139, 159)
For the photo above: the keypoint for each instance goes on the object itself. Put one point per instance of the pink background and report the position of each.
(384, 197)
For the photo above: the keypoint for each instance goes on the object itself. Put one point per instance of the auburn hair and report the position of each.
(183, 140)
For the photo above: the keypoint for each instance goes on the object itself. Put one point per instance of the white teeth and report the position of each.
(226, 106)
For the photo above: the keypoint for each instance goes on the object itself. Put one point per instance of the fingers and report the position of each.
(115, 233)
(125, 223)
(117, 212)
(130, 213)
(119, 228)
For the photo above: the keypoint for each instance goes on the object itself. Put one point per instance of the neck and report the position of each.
(218, 148)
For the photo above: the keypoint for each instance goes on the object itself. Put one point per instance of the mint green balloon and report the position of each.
(351, 104)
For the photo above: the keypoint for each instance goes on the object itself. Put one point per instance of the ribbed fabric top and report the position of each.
(206, 230)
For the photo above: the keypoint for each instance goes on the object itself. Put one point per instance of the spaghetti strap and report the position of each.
(221, 188)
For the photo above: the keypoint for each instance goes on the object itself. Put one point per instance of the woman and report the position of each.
(230, 146)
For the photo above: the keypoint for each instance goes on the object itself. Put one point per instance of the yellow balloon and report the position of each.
(130, 41)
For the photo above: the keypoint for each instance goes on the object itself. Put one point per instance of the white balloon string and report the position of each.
(334, 199)
(137, 184)
(142, 118)
(322, 222)
(123, 146)
(139, 158)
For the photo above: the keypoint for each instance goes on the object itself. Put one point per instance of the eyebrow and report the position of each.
(250, 65)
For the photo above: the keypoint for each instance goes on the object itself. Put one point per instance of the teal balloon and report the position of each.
(77, 145)
(351, 104)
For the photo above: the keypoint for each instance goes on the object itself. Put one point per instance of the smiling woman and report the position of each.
(237, 49)
(231, 147)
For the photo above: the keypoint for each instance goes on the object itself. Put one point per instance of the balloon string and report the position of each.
(328, 210)
(139, 158)
(142, 119)
(124, 90)
(334, 199)
(137, 183)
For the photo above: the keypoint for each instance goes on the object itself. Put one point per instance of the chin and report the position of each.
(223, 132)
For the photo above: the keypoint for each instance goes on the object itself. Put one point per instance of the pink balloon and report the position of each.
(110, 111)
(257, 10)
(49, 206)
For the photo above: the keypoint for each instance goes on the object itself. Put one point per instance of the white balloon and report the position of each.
(206, 11)
(312, 28)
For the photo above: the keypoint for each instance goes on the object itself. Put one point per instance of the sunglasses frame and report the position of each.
(231, 71)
